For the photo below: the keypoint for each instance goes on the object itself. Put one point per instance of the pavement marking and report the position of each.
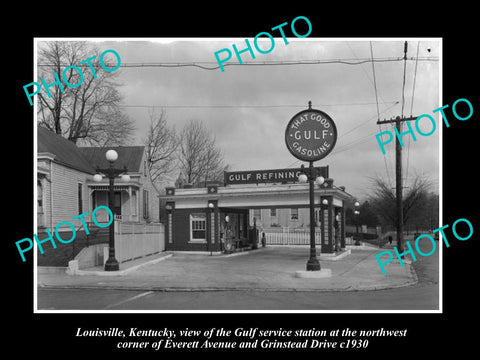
(129, 299)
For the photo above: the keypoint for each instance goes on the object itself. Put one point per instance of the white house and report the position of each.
(65, 186)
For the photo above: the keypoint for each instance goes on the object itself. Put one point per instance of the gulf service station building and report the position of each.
(220, 218)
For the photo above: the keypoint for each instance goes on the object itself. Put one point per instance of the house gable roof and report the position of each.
(129, 156)
(65, 151)
(86, 159)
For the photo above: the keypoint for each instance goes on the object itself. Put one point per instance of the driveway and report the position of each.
(269, 269)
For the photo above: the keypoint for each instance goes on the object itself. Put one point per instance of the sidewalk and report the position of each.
(265, 269)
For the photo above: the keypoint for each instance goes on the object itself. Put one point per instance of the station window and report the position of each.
(257, 214)
(273, 212)
(198, 227)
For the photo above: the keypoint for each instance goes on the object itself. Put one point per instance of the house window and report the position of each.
(294, 214)
(198, 228)
(39, 196)
(134, 202)
(117, 203)
(94, 199)
(80, 198)
(273, 212)
(145, 204)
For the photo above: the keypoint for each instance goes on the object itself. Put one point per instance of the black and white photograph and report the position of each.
(225, 181)
(253, 183)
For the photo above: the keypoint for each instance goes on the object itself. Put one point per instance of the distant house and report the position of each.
(65, 186)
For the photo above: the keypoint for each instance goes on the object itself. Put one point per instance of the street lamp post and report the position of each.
(211, 206)
(310, 175)
(336, 227)
(110, 172)
(325, 245)
(357, 213)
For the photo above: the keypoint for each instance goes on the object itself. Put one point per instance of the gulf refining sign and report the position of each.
(268, 176)
(311, 135)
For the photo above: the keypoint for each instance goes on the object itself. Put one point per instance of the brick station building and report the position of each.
(218, 218)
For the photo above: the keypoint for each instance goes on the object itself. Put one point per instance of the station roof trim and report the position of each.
(249, 191)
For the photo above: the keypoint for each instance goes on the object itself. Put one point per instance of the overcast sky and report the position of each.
(261, 99)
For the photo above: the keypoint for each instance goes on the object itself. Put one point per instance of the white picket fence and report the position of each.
(295, 238)
(290, 238)
(134, 241)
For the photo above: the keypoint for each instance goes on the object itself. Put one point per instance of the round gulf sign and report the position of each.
(311, 135)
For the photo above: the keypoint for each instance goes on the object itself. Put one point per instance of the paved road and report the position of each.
(421, 296)
(409, 298)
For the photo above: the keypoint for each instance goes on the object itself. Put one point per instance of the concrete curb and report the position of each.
(348, 288)
(75, 272)
(51, 270)
(219, 289)
(334, 257)
(322, 273)
(216, 254)
(413, 273)
(363, 246)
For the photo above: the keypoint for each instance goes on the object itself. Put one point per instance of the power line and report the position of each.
(414, 79)
(376, 97)
(368, 120)
(354, 143)
(271, 62)
(378, 112)
(374, 80)
(411, 106)
(221, 106)
(399, 124)
(214, 66)
(403, 83)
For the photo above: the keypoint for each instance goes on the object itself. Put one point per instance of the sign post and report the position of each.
(310, 136)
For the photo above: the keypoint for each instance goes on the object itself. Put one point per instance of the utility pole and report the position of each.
(398, 164)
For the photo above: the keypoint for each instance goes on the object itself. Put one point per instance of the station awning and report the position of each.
(280, 195)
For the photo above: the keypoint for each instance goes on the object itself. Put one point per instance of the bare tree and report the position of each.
(89, 112)
(193, 141)
(161, 144)
(383, 201)
(200, 159)
(211, 161)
